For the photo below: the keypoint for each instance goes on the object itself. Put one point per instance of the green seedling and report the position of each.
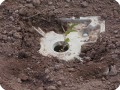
(70, 29)
(67, 40)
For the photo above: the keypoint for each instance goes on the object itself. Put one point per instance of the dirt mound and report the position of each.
(23, 68)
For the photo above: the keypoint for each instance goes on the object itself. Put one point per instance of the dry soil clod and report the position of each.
(84, 4)
(36, 2)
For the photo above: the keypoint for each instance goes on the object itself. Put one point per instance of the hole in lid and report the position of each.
(61, 46)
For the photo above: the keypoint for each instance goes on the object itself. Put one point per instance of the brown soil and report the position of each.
(23, 68)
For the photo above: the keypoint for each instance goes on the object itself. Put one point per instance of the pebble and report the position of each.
(113, 71)
(106, 71)
(85, 47)
(117, 51)
(115, 57)
(30, 5)
(4, 37)
(115, 13)
(19, 28)
(61, 78)
(66, 6)
(103, 79)
(51, 88)
(28, 1)
(1, 17)
(117, 36)
(23, 77)
(50, 3)
(116, 32)
(71, 69)
(52, 7)
(85, 35)
(40, 88)
(81, 79)
(84, 4)
(36, 2)
(87, 58)
(58, 66)
(12, 18)
(104, 15)
(68, 0)
(17, 35)
(19, 80)
(111, 46)
(118, 44)
(22, 11)
(59, 83)
(47, 71)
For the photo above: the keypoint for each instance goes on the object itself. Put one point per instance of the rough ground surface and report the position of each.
(23, 68)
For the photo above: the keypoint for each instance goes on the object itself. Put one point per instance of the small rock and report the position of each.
(71, 69)
(58, 66)
(84, 4)
(103, 79)
(19, 28)
(116, 32)
(51, 88)
(116, 14)
(30, 5)
(12, 18)
(117, 36)
(23, 77)
(115, 57)
(36, 2)
(111, 46)
(61, 78)
(104, 15)
(47, 71)
(66, 6)
(1, 17)
(105, 71)
(109, 83)
(113, 70)
(28, 1)
(118, 44)
(19, 80)
(85, 35)
(22, 11)
(57, 11)
(52, 7)
(81, 79)
(47, 77)
(50, 3)
(87, 58)
(40, 88)
(117, 51)
(4, 32)
(4, 37)
(59, 83)
(68, 0)
(85, 47)
(17, 35)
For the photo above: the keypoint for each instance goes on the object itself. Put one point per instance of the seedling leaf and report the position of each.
(71, 26)
(67, 40)
(69, 31)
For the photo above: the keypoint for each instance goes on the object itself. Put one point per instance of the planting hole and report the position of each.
(61, 46)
